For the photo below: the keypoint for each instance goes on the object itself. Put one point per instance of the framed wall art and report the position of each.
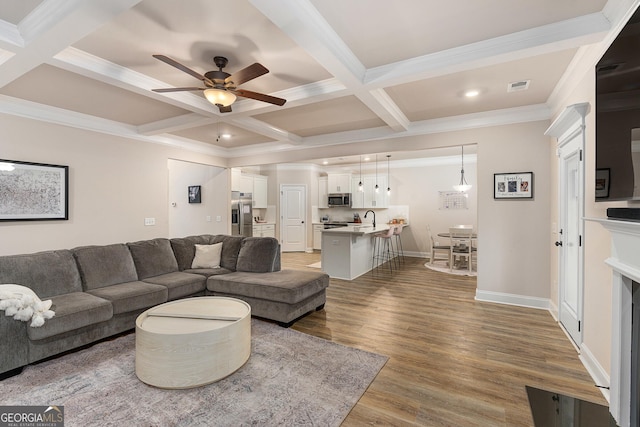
(194, 194)
(513, 185)
(602, 183)
(33, 191)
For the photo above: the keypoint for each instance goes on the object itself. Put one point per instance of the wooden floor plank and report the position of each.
(453, 361)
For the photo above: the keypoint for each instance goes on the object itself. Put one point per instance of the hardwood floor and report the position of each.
(453, 361)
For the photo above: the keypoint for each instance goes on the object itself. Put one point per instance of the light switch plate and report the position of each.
(149, 221)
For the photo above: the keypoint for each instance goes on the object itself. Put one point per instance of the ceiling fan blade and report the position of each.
(178, 89)
(259, 96)
(226, 109)
(183, 68)
(246, 74)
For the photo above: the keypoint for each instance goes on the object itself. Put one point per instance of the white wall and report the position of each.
(211, 216)
(513, 235)
(114, 184)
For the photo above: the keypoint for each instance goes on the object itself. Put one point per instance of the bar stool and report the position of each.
(397, 231)
(383, 249)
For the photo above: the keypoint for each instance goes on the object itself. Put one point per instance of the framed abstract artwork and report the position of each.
(33, 191)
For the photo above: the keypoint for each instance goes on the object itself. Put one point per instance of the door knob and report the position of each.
(558, 243)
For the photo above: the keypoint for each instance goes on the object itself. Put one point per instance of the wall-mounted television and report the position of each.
(618, 117)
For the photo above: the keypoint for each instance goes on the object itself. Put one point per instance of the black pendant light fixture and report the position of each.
(462, 186)
(388, 175)
(360, 185)
(377, 188)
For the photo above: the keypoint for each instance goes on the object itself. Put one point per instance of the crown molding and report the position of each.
(10, 34)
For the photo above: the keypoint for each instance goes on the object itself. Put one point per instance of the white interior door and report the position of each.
(293, 214)
(570, 231)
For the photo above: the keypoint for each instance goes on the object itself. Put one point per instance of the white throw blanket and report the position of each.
(23, 304)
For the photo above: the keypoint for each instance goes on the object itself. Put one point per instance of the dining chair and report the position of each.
(461, 246)
(437, 247)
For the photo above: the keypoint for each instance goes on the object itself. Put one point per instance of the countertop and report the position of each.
(359, 230)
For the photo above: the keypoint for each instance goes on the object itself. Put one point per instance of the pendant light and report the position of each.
(360, 185)
(463, 186)
(377, 188)
(388, 175)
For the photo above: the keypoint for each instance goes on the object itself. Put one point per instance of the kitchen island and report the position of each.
(347, 251)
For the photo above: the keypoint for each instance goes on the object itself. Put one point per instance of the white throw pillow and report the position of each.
(207, 256)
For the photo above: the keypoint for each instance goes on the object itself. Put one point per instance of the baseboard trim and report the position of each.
(597, 372)
(512, 299)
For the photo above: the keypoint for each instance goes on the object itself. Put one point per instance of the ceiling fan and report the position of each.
(221, 87)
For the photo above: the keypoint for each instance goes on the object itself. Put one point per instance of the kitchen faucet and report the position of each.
(374, 217)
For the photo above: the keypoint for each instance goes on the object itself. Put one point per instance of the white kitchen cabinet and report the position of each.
(260, 186)
(264, 230)
(373, 199)
(257, 185)
(323, 199)
(246, 183)
(317, 236)
(339, 183)
(357, 196)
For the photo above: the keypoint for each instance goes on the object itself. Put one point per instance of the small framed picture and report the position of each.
(602, 183)
(513, 185)
(194, 194)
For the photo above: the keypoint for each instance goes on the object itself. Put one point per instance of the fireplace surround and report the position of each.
(625, 264)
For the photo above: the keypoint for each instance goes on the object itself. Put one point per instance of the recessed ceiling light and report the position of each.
(325, 162)
(472, 93)
(225, 135)
(366, 159)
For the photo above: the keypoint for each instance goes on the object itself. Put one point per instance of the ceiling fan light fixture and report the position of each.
(219, 97)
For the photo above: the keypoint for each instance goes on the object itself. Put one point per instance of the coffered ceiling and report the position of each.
(351, 71)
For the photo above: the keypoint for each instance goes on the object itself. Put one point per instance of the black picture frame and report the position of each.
(33, 191)
(603, 183)
(195, 194)
(513, 185)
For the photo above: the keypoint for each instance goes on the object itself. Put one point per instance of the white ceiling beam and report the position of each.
(173, 124)
(254, 125)
(53, 26)
(558, 36)
(302, 22)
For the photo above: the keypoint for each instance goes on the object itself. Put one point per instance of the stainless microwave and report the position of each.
(340, 199)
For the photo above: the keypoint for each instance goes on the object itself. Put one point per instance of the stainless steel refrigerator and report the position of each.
(241, 214)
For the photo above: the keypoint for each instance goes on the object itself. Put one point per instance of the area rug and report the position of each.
(291, 379)
(315, 265)
(442, 267)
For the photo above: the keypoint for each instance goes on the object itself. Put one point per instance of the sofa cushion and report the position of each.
(105, 265)
(289, 286)
(184, 248)
(179, 284)
(206, 272)
(230, 250)
(207, 256)
(131, 296)
(153, 257)
(258, 255)
(47, 273)
(73, 311)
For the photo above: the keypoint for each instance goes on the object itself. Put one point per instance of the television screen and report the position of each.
(618, 116)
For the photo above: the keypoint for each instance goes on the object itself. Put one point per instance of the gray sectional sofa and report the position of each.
(98, 291)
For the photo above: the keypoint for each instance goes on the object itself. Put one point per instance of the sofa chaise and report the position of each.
(99, 291)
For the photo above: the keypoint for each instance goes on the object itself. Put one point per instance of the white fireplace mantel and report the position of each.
(625, 264)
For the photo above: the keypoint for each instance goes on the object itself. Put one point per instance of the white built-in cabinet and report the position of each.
(257, 185)
(339, 183)
(369, 198)
(317, 236)
(264, 230)
(323, 199)
(260, 188)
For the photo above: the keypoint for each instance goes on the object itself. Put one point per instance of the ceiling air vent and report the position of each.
(518, 86)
